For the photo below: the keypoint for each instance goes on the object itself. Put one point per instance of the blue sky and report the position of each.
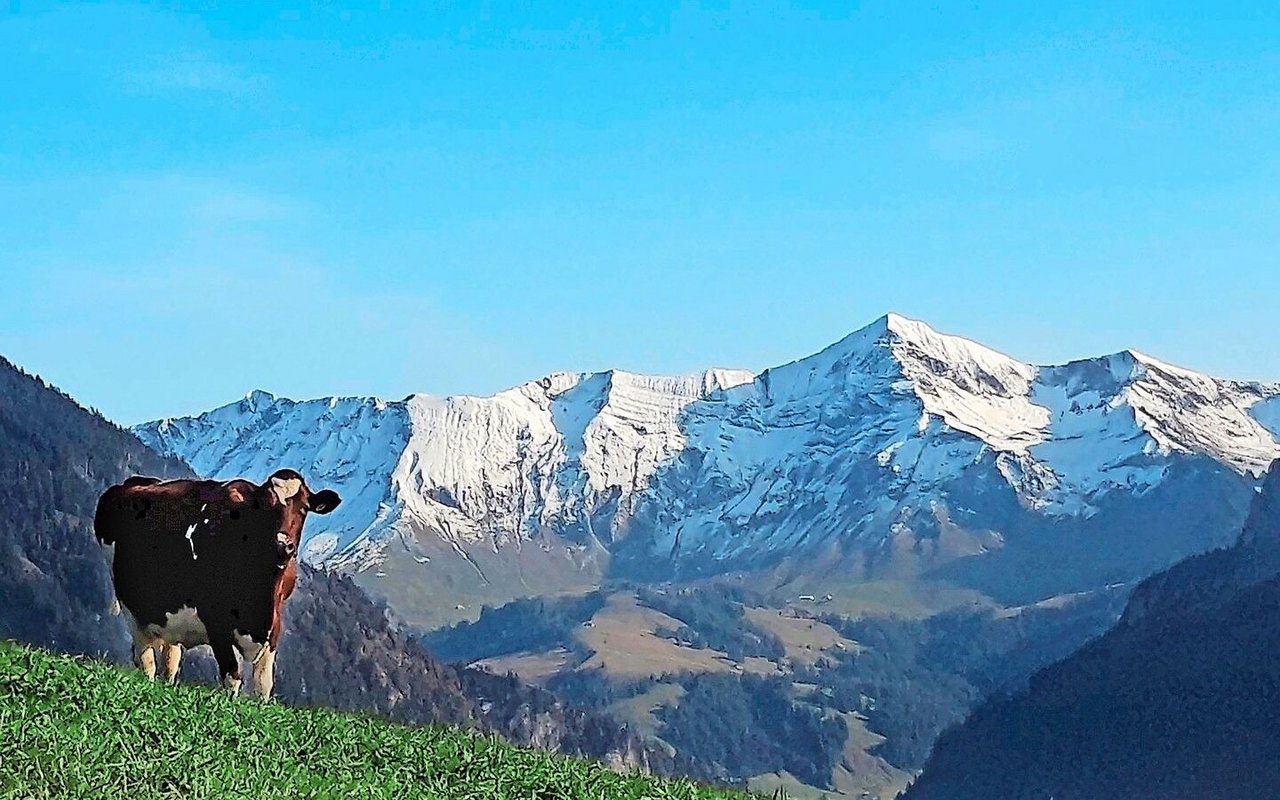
(389, 198)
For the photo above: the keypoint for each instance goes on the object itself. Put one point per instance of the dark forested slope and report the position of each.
(1176, 701)
(55, 459)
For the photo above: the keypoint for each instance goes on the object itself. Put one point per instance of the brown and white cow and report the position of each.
(207, 562)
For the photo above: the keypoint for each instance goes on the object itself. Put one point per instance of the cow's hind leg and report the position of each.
(264, 672)
(172, 662)
(145, 657)
(144, 650)
(224, 652)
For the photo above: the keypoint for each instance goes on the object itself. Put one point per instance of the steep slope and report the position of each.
(1176, 701)
(339, 650)
(896, 451)
(74, 728)
(55, 459)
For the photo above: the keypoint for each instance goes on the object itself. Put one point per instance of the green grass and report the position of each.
(79, 728)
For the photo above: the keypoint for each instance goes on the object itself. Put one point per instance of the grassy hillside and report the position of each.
(78, 728)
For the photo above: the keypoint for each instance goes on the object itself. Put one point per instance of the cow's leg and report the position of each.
(145, 656)
(224, 652)
(264, 672)
(172, 662)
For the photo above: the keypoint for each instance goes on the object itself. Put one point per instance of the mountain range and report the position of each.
(795, 579)
(897, 452)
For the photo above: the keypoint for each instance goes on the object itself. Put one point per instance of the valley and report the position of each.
(793, 579)
(706, 668)
(823, 565)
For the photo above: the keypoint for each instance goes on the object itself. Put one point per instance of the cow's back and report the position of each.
(199, 545)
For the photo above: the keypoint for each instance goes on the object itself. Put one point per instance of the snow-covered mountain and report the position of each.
(897, 448)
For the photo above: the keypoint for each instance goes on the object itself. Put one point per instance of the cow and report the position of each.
(207, 562)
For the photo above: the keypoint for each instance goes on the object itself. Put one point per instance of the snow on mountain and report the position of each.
(470, 468)
(1111, 414)
(350, 444)
(846, 444)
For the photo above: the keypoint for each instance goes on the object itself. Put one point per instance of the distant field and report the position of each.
(623, 642)
(912, 599)
(78, 729)
(531, 667)
(806, 640)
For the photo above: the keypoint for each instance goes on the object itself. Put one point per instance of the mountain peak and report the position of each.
(905, 327)
(257, 399)
(896, 401)
(915, 340)
(893, 325)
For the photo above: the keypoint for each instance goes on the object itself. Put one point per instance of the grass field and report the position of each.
(81, 729)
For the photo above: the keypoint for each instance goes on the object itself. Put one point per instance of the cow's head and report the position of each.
(288, 494)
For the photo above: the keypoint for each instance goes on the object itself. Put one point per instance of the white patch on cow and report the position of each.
(182, 627)
(250, 649)
(191, 531)
(285, 488)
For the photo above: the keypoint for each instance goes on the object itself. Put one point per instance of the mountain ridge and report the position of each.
(894, 438)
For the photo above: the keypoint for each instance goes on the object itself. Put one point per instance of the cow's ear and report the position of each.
(324, 501)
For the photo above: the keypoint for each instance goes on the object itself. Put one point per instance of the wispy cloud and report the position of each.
(190, 72)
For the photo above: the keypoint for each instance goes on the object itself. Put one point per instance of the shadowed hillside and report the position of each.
(56, 458)
(1177, 701)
